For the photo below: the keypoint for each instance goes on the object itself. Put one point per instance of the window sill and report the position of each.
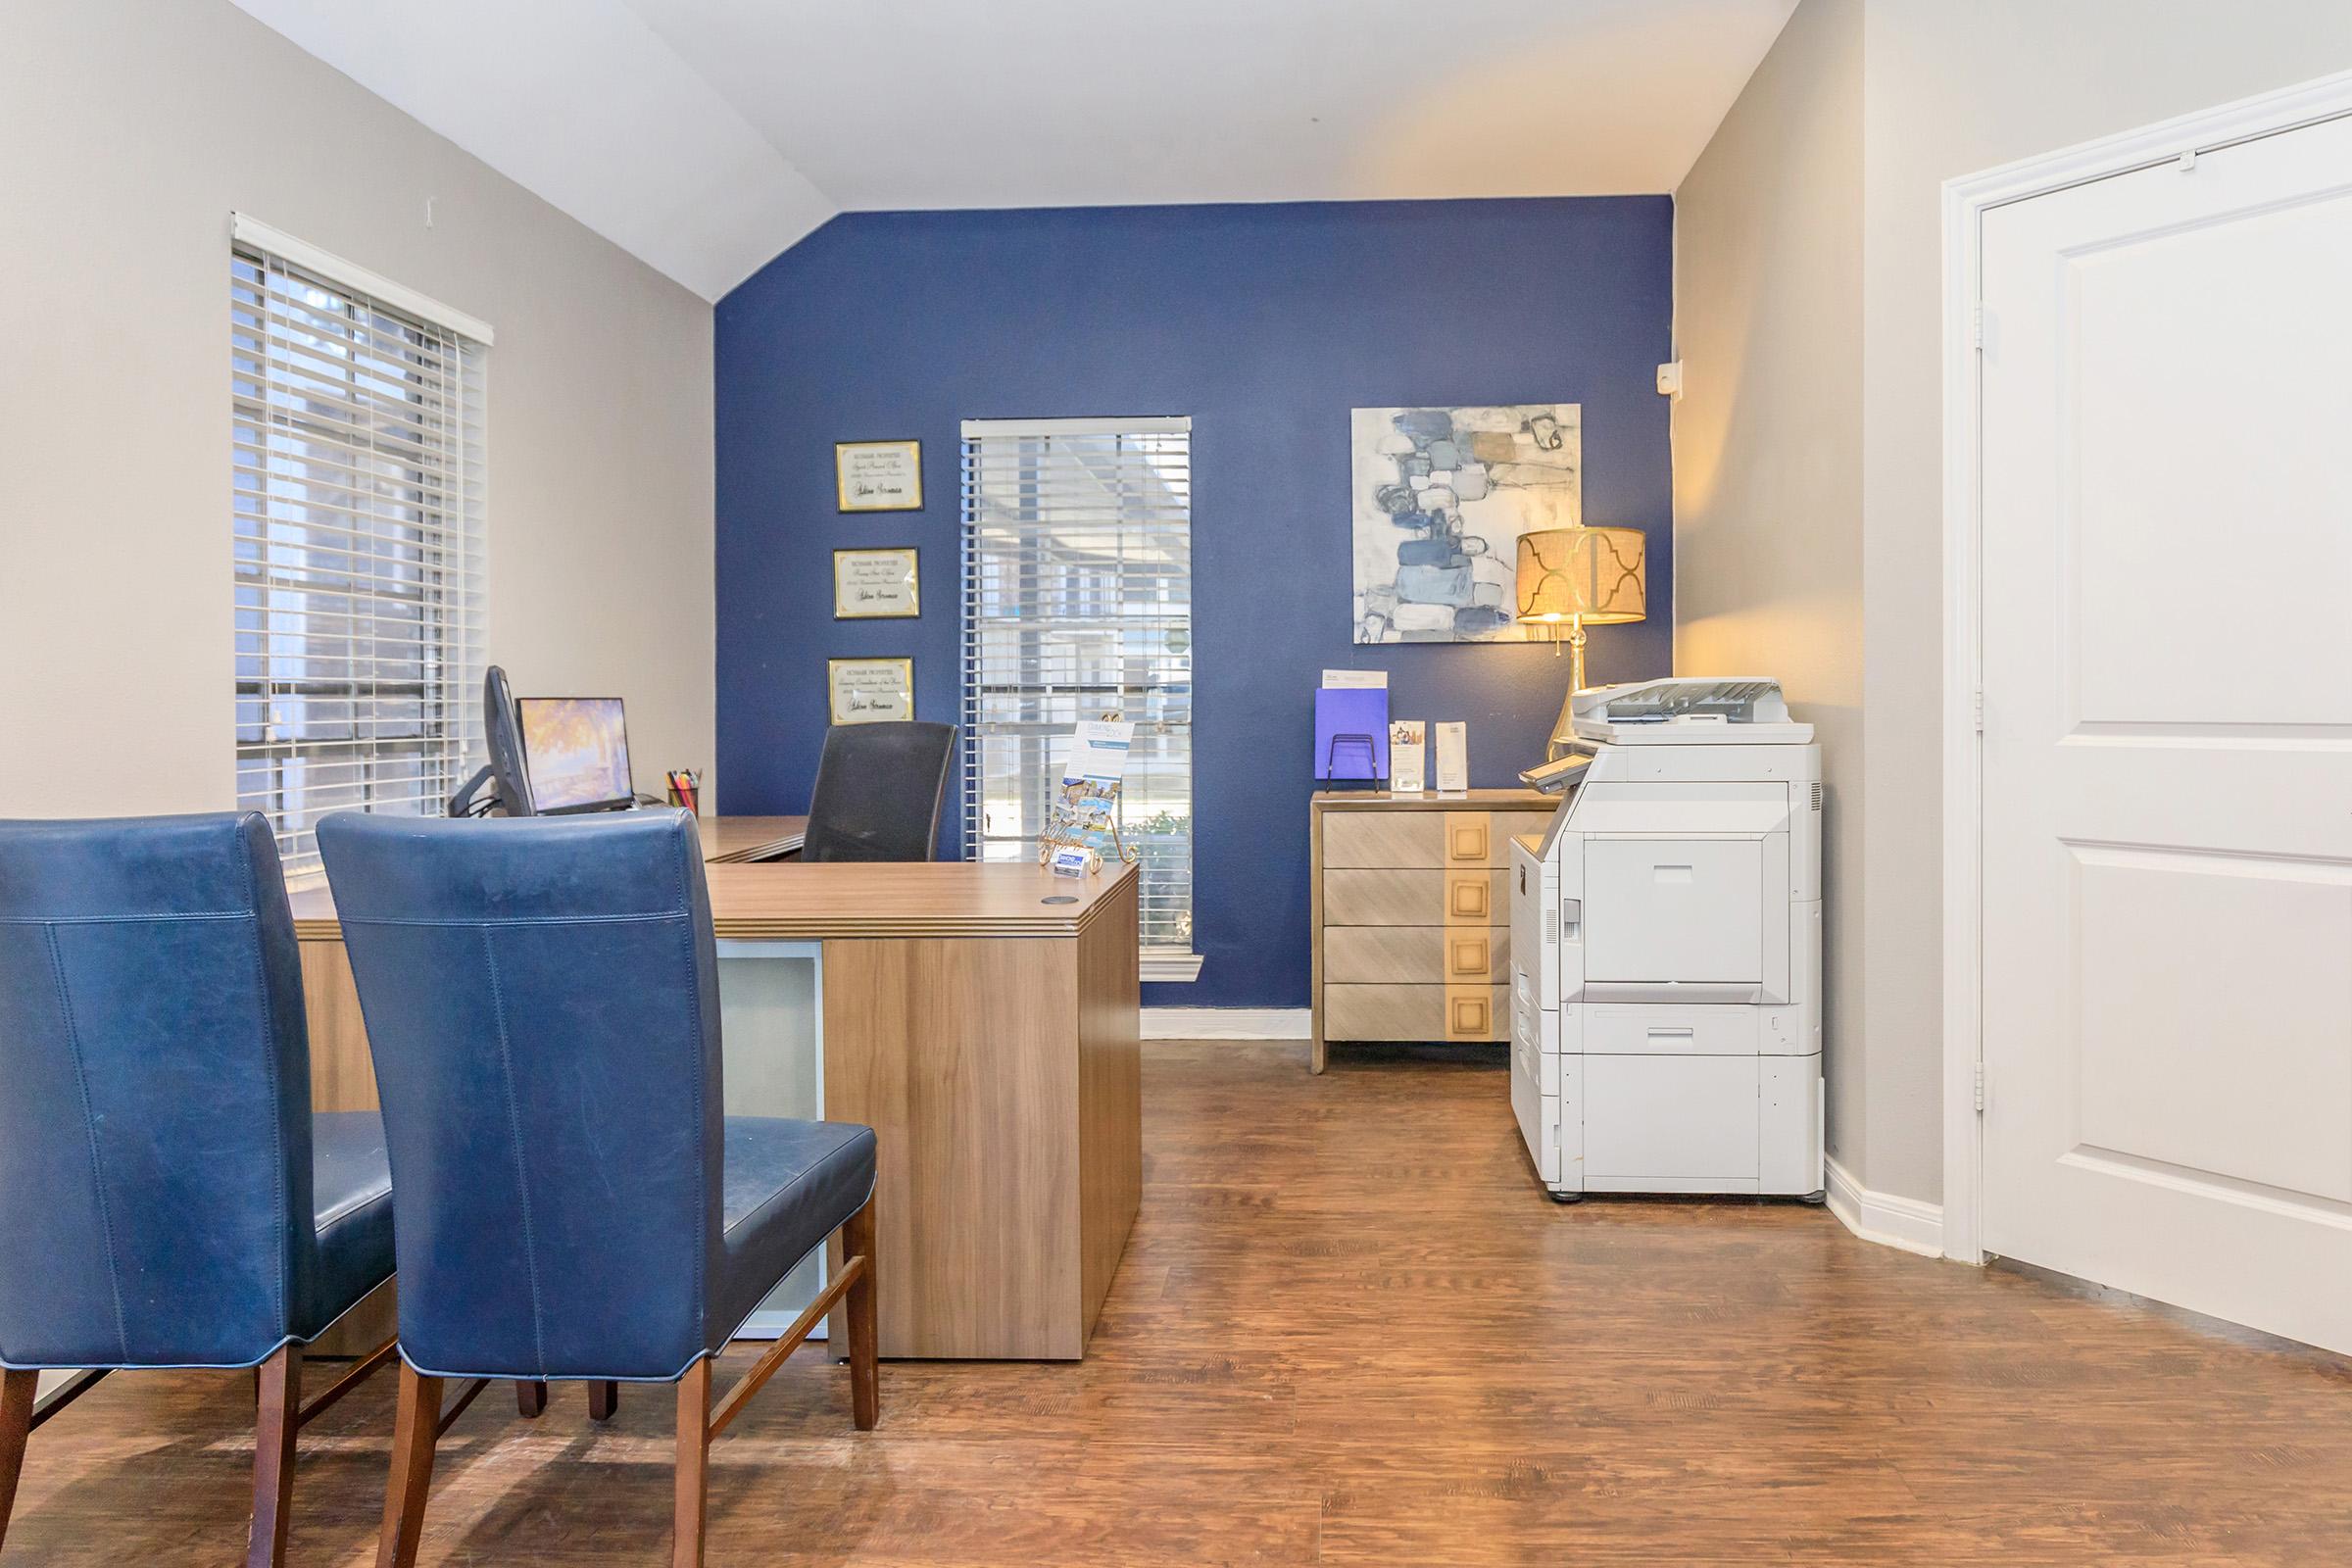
(1168, 966)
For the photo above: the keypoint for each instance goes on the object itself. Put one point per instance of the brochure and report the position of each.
(1408, 754)
(1453, 757)
(1086, 808)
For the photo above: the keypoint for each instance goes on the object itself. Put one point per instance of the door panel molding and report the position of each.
(2215, 1185)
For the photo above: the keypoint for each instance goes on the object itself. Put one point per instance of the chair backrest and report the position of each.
(878, 791)
(155, 1095)
(541, 1000)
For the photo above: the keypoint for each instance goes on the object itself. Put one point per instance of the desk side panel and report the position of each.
(962, 1054)
(343, 1078)
(342, 1073)
(1110, 1095)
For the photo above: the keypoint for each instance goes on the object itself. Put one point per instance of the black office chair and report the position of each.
(878, 791)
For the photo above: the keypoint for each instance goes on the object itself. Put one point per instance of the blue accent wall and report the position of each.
(1266, 325)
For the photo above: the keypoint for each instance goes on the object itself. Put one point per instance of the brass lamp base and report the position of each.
(1564, 727)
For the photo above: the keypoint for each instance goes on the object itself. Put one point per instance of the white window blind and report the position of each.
(1077, 603)
(359, 500)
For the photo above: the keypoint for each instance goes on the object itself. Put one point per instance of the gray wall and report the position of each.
(1768, 445)
(1946, 89)
(128, 130)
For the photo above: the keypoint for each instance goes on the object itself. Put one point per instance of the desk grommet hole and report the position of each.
(1059, 898)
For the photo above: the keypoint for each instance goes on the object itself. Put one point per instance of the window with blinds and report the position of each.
(358, 511)
(1077, 603)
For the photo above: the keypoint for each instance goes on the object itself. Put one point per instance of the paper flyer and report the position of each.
(1453, 757)
(1408, 754)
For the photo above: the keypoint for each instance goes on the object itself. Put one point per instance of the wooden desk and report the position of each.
(730, 839)
(988, 1036)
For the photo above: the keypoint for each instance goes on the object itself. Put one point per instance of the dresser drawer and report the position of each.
(1423, 839)
(1452, 1013)
(1422, 954)
(1384, 841)
(1433, 897)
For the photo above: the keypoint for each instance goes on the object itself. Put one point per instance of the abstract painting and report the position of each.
(1441, 497)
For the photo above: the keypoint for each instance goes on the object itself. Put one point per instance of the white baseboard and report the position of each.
(1884, 1217)
(1227, 1023)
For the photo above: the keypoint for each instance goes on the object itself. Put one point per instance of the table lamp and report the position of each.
(1571, 578)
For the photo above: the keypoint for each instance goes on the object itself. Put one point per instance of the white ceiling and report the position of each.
(707, 135)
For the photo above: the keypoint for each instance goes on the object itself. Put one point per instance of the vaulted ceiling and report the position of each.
(705, 136)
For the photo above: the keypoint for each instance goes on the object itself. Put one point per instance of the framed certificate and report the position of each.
(879, 476)
(871, 691)
(875, 585)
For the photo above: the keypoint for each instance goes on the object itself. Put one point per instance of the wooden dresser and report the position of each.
(1411, 920)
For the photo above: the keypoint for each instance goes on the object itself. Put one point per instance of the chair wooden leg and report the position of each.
(694, 1464)
(866, 1392)
(414, 1429)
(16, 1425)
(277, 1416)
(603, 1400)
(531, 1399)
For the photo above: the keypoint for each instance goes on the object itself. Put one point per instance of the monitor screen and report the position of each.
(577, 751)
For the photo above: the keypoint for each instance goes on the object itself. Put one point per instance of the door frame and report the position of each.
(2181, 140)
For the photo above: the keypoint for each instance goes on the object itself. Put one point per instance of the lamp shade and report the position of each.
(1595, 576)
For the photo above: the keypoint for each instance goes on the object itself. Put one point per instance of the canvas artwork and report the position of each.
(1441, 497)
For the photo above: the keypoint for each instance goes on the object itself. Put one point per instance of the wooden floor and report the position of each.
(1350, 1329)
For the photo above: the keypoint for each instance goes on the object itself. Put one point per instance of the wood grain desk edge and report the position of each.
(1047, 921)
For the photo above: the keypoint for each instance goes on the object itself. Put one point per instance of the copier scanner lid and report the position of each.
(1688, 710)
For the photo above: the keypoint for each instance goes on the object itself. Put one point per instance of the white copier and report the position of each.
(1666, 947)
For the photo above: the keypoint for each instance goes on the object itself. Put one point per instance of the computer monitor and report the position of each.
(576, 751)
(511, 781)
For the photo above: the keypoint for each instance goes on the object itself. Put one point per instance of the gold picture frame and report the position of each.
(878, 584)
(869, 691)
(878, 475)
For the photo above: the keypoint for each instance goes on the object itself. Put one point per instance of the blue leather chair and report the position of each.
(168, 1198)
(542, 1004)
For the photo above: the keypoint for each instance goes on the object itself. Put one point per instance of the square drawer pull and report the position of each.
(1467, 895)
(1466, 840)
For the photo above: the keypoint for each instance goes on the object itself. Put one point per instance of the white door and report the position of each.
(2167, 491)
